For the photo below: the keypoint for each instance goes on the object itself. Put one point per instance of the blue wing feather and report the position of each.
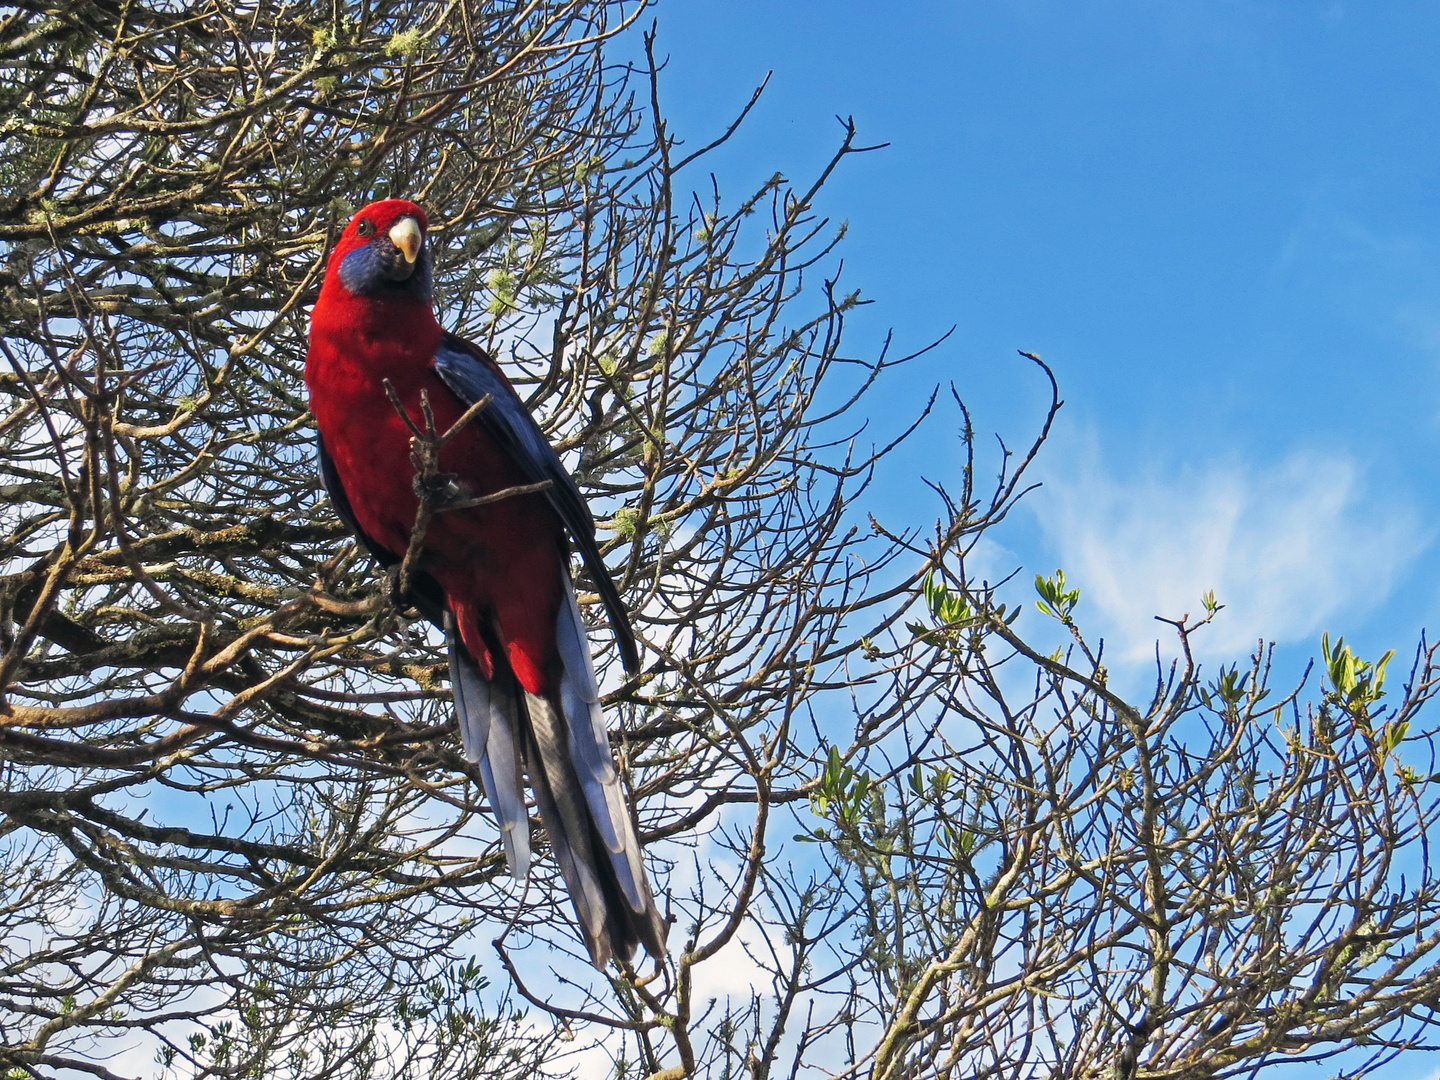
(471, 374)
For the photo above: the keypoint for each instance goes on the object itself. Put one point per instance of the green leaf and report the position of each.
(1055, 600)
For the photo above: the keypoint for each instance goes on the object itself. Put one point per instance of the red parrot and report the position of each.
(495, 577)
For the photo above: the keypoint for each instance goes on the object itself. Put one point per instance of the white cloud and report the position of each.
(1290, 549)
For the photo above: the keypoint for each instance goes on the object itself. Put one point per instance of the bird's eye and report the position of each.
(366, 227)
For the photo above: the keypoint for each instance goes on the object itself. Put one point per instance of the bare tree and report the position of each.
(240, 838)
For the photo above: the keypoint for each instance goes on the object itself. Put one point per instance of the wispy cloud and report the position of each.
(1289, 548)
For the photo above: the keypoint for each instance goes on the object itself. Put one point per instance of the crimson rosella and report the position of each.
(495, 577)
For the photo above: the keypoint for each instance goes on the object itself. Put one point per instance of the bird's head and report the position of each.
(383, 252)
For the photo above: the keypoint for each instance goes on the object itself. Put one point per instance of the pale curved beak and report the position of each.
(405, 234)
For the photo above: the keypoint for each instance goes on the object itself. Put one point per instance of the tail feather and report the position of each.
(489, 718)
(569, 826)
(589, 741)
(594, 762)
(609, 889)
(560, 740)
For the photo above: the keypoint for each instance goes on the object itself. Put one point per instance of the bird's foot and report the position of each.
(399, 595)
(441, 490)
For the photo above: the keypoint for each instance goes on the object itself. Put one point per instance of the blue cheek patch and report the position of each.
(360, 271)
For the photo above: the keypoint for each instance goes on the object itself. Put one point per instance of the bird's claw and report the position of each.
(399, 595)
(401, 599)
(440, 490)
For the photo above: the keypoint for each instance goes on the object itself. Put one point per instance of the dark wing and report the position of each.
(425, 592)
(471, 374)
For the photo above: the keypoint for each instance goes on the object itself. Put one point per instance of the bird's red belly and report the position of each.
(499, 564)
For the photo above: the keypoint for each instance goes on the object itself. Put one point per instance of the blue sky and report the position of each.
(1217, 221)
